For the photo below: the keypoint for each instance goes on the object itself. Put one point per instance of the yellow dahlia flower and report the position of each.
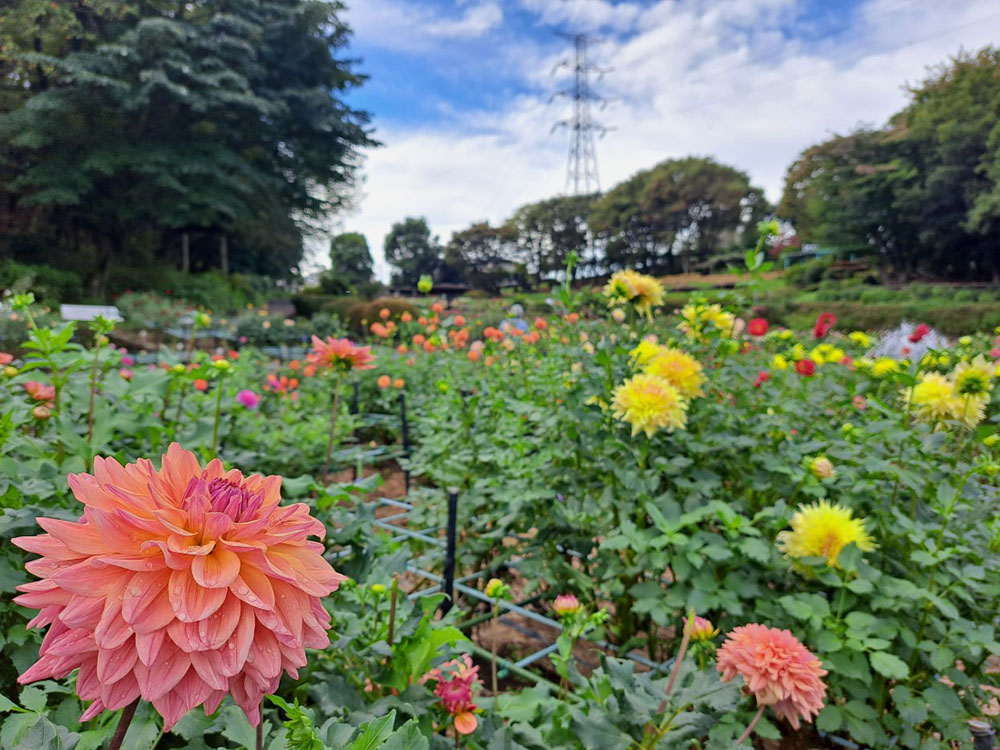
(679, 369)
(974, 378)
(697, 319)
(649, 403)
(884, 366)
(860, 338)
(644, 351)
(823, 530)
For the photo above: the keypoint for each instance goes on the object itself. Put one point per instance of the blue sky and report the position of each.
(460, 90)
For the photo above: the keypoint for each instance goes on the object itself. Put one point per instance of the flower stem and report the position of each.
(393, 596)
(493, 647)
(260, 734)
(333, 425)
(123, 723)
(218, 413)
(750, 728)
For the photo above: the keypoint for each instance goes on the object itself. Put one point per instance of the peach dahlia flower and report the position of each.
(178, 586)
(777, 669)
(340, 354)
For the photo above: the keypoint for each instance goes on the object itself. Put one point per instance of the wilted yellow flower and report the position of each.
(698, 320)
(679, 369)
(649, 403)
(642, 291)
(823, 530)
(860, 338)
(974, 378)
(884, 366)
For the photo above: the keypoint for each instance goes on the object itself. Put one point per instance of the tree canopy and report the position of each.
(922, 193)
(129, 124)
(410, 247)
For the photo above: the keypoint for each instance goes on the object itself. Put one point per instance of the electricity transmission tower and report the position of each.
(581, 168)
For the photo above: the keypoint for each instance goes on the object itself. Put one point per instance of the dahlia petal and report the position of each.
(88, 685)
(89, 579)
(47, 546)
(214, 631)
(45, 616)
(82, 538)
(161, 678)
(190, 601)
(185, 636)
(264, 654)
(216, 525)
(40, 670)
(38, 594)
(46, 567)
(234, 655)
(254, 587)
(119, 694)
(148, 645)
(314, 575)
(69, 643)
(189, 693)
(113, 664)
(208, 665)
(176, 470)
(112, 631)
(146, 604)
(82, 612)
(216, 570)
(186, 545)
(148, 559)
(92, 710)
(213, 701)
(173, 519)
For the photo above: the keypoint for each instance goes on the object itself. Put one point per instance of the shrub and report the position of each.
(49, 285)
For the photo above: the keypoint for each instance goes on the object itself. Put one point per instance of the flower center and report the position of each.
(236, 502)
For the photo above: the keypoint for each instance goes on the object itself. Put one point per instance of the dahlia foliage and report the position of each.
(180, 585)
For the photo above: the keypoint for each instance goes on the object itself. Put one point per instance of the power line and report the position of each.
(581, 165)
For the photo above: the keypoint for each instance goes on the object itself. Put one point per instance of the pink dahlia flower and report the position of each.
(341, 354)
(456, 681)
(566, 605)
(777, 669)
(249, 399)
(178, 586)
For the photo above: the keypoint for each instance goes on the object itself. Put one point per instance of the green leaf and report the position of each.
(830, 719)
(889, 665)
(376, 732)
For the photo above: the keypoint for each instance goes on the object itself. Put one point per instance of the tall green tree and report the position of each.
(549, 230)
(484, 256)
(411, 249)
(213, 117)
(691, 207)
(351, 263)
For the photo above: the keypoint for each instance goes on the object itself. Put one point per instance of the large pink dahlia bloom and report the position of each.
(777, 669)
(178, 586)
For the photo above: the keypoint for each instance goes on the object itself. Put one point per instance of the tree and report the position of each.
(410, 247)
(350, 263)
(923, 192)
(549, 230)
(211, 117)
(692, 207)
(484, 256)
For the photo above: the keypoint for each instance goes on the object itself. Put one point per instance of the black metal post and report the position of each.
(983, 735)
(449, 555)
(406, 438)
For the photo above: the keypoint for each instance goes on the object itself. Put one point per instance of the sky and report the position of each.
(461, 91)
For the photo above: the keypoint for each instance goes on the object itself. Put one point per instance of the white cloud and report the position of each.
(712, 77)
(477, 21)
(415, 26)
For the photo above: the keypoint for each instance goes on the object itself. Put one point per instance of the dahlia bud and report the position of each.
(9, 371)
(202, 320)
(566, 605)
(41, 412)
(425, 284)
(822, 468)
(378, 588)
(990, 440)
(699, 629)
(496, 589)
(221, 364)
(178, 369)
(618, 315)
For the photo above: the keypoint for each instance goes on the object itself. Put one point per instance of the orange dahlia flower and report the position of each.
(777, 669)
(341, 354)
(178, 586)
